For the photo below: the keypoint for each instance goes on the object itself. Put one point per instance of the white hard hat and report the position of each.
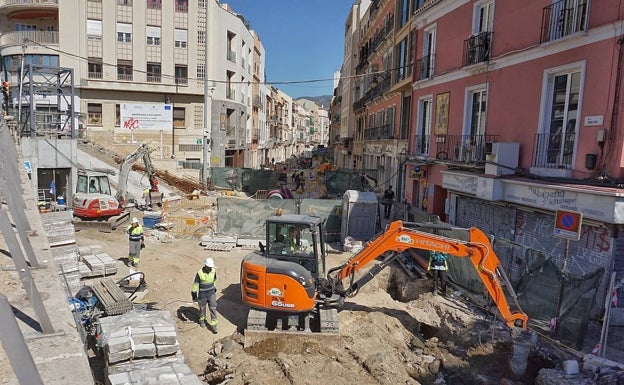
(135, 220)
(209, 262)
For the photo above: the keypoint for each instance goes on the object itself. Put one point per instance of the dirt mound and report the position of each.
(427, 340)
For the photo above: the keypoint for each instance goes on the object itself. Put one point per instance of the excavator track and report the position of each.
(262, 326)
(107, 225)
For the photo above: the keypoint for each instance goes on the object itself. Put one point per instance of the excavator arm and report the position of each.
(124, 169)
(398, 238)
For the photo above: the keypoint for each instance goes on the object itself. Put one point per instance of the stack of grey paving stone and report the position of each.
(66, 259)
(162, 371)
(59, 228)
(141, 347)
(95, 263)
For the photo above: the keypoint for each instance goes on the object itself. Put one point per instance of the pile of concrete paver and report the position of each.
(141, 347)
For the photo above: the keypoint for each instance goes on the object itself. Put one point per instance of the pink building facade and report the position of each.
(517, 129)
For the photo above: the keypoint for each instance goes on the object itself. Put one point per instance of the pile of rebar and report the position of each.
(111, 298)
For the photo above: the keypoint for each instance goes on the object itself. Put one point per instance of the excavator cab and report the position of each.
(93, 197)
(298, 239)
(280, 281)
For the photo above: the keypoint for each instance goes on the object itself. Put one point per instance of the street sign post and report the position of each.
(568, 224)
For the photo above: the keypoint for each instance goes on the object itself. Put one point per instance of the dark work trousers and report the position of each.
(211, 301)
(441, 275)
(387, 209)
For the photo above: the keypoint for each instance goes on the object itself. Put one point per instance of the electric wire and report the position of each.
(286, 82)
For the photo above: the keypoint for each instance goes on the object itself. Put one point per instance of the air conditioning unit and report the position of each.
(501, 158)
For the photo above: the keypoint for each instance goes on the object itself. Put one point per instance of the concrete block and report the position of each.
(168, 378)
(83, 270)
(119, 356)
(142, 335)
(165, 350)
(165, 338)
(144, 351)
(94, 263)
(570, 367)
(119, 379)
(118, 344)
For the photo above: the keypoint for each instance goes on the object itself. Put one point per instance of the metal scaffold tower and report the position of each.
(44, 103)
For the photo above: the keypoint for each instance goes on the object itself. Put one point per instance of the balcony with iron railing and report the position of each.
(12, 6)
(386, 131)
(554, 150)
(424, 67)
(95, 75)
(124, 77)
(18, 38)
(153, 78)
(462, 148)
(563, 18)
(477, 48)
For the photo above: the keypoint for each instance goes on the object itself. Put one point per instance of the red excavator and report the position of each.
(289, 290)
(93, 203)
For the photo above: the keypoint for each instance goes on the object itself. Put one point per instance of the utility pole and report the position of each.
(207, 135)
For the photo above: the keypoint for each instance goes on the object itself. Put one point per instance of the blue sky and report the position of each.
(303, 40)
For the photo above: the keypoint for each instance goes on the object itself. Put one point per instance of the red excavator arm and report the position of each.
(397, 238)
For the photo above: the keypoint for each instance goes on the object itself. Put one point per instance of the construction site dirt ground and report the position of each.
(393, 332)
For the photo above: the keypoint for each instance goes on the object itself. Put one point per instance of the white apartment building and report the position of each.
(157, 52)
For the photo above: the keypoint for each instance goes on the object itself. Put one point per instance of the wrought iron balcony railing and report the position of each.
(424, 67)
(463, 148)
(564, 18)
(554, 150)
(477, 48)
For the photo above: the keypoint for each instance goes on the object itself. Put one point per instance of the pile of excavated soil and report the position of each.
(430, 339)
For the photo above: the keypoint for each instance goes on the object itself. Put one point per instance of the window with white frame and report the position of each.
(94, 29)
(153, 72)
(483, 19)
(563, 91)
(153, 35)
(423, 125)
(180, 37)
(428, 53)
(476, 111)
(124, 32)
(473, 140)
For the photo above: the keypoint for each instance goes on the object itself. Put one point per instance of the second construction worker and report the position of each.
(438, 267)
(204, 292)
(136, 242)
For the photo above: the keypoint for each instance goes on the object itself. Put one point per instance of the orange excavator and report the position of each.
(288, 288)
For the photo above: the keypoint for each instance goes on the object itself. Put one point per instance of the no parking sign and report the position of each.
(568, 224)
